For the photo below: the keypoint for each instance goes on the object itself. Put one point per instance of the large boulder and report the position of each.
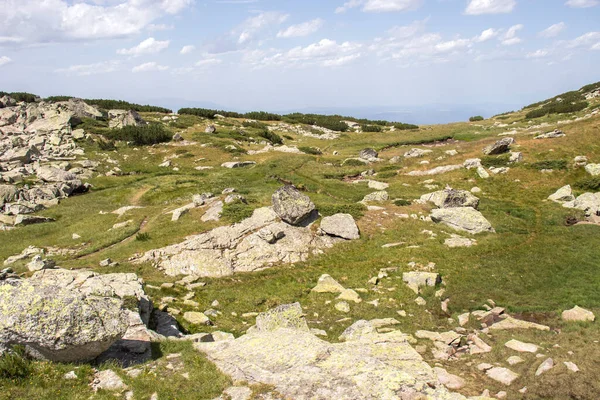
(450, 198)
(121, 118)
(292, 206)
(81, 109)
(340, 225)
(562, 195)
(501, 146)
(588, 202)
(368, 154)
(59, 324)
(8, 194)
(593, 169)
(24, 155)
(464, 219)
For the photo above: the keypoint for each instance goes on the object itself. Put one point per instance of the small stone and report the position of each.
(326, 284)
(521, 346)
(108, 380)
(342, 306)
(75, 236)
(514, 360)
(420, 301)
(547, 365)
(578, 314)
(571, 366)
(463, 319)
(70, 375)
(196, 318)
(349, 295)
(449, 380)
(502, 375)
(106, 262)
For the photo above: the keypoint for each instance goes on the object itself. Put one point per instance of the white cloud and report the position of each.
(537, 54)
(406, 31)
(596, 46)
(587, 39)
(378, 6)
(159, 27)
(10, 39)
(149, 67)
(4, 60)
(510, 37)
(478, 7)
(148, 46)
(91, 69)
(247, 31)
(553, 30)
(326, 53)
(208, 62)
(486, 35)
(582, 3)
(187, 49)
(64, 20)
(301, 30)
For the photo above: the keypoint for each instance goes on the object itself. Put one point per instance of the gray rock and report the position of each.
(551, 135)
(237, 164)
(450, 198)
(593, 169)
(121, 118)
(578, 314)
(415, 280)
(502, 375)
(340, 225)
(292, 206)
(521, 347)
(327, 284)
(464, 219)
(368, 154)
(288, 316)
(51, 174)
(436, 171)
(501, 146)
(299, 365)
(412, 153)
(562, 195)
(379, 197)
(545, 366)
(38, 264)
(59, 324)
(211, 129)
(108, 380)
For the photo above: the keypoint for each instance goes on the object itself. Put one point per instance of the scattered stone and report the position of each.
(593, 169)
(196, 318)
(483, 174)
(210, 129)
(349, 295)
(342, 306)
(450, 381)
(288, 316)
(514, 360)
(459, 241)
(38, 264)
(108, 380)
(237, 164)
(521, 346)
(106, 262)
(571, 366)
(502, 375)
(515, 157)
(70, 375)
(510, 323)
(121, 118)
(420, 301)
(463, 319)
(545, 366)
(450, 198)
(562, 195)
(327, 284)
(580, 161)
(551, 135)
(436, 171)
(412, 153)
(369, 155)
(578, 314)
(415, 280)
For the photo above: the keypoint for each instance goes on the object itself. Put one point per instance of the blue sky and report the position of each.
(284, 55)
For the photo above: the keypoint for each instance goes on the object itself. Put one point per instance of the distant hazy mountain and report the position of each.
(424, 114)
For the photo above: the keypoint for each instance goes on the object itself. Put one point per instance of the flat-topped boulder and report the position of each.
(340, 225)
(500, 147)
(450, 198)
(465, 219)
(292, 206)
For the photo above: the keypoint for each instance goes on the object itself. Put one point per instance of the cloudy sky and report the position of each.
(284, 54)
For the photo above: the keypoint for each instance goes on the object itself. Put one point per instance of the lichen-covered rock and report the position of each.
(368, 154)
(327, 284)
(587, 202)
(449, 198)
(578, 314)
(376, 197)
(412, 153)
(417, 279)
(562, 195)
(299, 365)
(340, 225)
(464, 219)
(292, 206)
(501, 146)
(288, 316)
(59, 324)
(121, 118)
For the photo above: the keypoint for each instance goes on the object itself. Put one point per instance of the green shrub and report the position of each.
(495, 161)
(106, 145)
(404, 127)
(142, 237)
(353, 162)
(236, 212)
(402, 202)
(113, 104)
(14, 364)
(387, 174)
(549, 164)
(288, 137)
(310, 150)
(476, 118)
(333, 122)
(141, 135)
(270, 136)
(262, 116)
(588, 184)
(356, 210)
(254, 124)
(371, 128)
(21, 96)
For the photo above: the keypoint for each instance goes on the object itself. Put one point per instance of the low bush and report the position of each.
(353, 162)
(236, 212)
(402, 202)
(588, 184)
(371, 128)
(254, 124)
(476, 118)
(495, 161)
(141, 135)
(549, 164)
(310, 150)
(21, 96)
(270, 136)
(404, 127)
(356, 210)
(387, 174)
(14, 364)
(142, 237)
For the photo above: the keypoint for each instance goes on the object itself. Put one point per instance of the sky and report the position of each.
(276, 55)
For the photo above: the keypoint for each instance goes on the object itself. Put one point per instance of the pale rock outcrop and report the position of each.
(562, 195)
(121, 118)
(369, 155)
(412, 153)
(464, 219)
(326, 284)
(551, 135)
(367, 365)
(241, 247)
(588, 202)
(436, 171)
(376, 197)
(521, 347)
(416, 280)
(593, 169)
